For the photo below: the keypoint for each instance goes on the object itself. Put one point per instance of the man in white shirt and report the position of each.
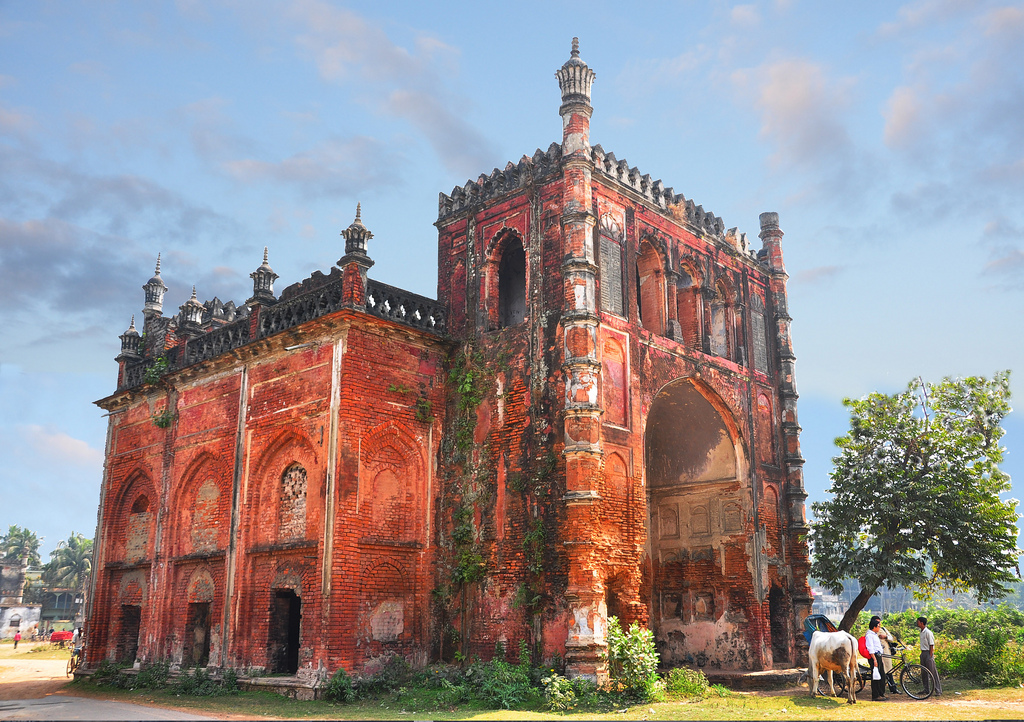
(928, 655)
(874, 646)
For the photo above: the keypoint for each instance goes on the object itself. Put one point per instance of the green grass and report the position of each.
(418, 703)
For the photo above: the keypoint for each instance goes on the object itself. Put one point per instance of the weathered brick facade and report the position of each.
(597, 417)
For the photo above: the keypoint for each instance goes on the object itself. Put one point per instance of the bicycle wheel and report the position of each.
(838, 681)
(71, 666)
(917, 681)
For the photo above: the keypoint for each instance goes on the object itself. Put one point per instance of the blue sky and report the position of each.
(889, 139)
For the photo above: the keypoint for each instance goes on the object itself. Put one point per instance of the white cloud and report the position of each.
(334, 167)
(903, 117)
(914, 16)
(409, 84)
(801, 108)
(818, 274)
(14, 122)
(745, 15)
(57, 448)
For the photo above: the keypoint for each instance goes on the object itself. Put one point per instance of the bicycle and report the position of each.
(76, 660)
(917, 681)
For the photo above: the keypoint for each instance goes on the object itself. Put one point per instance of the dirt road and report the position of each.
(24, 677)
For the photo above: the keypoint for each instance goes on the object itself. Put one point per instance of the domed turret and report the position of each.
(263, 283)
(356, 236)
(155, 290)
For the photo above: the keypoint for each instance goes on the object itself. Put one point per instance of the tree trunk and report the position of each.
(859, 602)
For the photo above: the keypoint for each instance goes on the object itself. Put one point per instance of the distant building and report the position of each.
(597, 417)
(15, 614)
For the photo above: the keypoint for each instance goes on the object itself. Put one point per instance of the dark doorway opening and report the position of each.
(197, 635)
(777, 619)
(128, 641)
(512, 284)
(285, 624)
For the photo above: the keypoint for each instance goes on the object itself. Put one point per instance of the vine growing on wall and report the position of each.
(463, 563)
(156, 371)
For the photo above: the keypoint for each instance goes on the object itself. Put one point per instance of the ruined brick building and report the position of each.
(596, 417)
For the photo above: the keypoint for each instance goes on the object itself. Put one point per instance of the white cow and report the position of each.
(833, 652)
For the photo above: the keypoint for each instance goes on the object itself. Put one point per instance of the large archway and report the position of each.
(697, 519)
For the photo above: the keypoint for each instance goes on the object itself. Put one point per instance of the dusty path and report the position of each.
(25, 677)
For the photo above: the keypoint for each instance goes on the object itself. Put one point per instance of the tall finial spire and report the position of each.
(130, 341)
(191, 316)
(263, 283)
(155, 290)
(356, 235)
(575, 79)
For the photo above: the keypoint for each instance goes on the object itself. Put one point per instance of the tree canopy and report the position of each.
(70, 563)
(20, 546)
(916, 494)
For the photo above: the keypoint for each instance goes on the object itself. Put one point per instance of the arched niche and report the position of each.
(133, 523)
(696, 497)
(687, 439)
(284, 502)
(200, 508)
(650, 276)
(512, 283)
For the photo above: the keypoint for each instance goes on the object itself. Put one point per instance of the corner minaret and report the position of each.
(155, 290)
(355, 263)
(586, 644)
(796, 495)
(574, 80)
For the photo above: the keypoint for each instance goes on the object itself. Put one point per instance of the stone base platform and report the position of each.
(291, 687)
(767, 679)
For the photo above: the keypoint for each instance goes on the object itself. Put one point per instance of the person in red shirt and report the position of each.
(17, 638)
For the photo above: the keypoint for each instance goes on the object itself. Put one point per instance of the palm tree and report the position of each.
(71, 564)
(21, 545)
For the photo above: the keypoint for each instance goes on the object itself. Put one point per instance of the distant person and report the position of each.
(17, 638)
(928, 655)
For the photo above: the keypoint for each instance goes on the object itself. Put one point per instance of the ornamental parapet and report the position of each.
(382, 301)
(499, 183)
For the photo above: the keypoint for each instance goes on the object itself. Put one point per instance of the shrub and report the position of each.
(504, 685)
(152, 676)
(501, 683)
(633, 661)
(965, 658)
(559, 693)
(393, 672)
(199, 683)
(339, 688)
(110, 675)
(1007, 666)
(686, 682)
(452, 695)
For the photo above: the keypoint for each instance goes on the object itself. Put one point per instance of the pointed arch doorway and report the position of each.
(694, 504)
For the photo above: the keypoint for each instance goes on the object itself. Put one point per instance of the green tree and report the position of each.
(916, 494)
(70, 563)
(21, 546)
